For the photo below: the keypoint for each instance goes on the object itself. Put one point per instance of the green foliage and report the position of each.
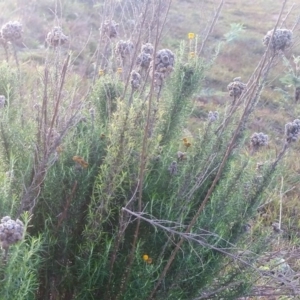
(19, 272)
(122, 197)
(292, 76)
(8, 82)
(235, 30)
(78, 211)
(290, 80)
(105, 94)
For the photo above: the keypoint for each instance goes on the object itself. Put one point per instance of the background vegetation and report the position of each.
(156, 184)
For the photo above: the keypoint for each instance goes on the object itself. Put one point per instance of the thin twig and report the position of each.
(286, 16)
(280, 203)
(213, 23)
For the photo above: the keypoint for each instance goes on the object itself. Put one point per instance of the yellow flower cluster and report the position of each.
(191, 35)
(80, 161)
(147, 259)
(186, 143)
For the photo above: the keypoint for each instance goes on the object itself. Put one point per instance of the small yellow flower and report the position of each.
(191, 35)
(192, 54)
(119, 70)
(80, 161)
(186, 142)
(101, 72)
(145, 257)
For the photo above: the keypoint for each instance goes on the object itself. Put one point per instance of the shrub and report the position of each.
(124, 202)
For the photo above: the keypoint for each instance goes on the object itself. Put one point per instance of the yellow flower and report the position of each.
(186, 142)
(192, 54)
(119, 70)
(191, 35)
(101, 72)
(80, 161)
(145, 257)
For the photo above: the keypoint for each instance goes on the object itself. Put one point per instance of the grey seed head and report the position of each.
(11, 31)
(5, 219)
(56, 37)
(135, 80)
(213, 116)
(282, 39)
(110, 28)
(147, 48)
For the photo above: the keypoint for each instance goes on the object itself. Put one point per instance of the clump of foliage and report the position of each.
(118, 200)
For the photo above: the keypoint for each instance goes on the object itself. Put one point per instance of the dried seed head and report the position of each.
(236, 87)
(110, 28)
(247, 227)
(282, 39)
(258, 140)
(181, 155)
(163, 64)
(11, 31)
(124, 48)
(143, 60)
(10, 231)
(147, 48)
(164, 61)
(292, 130)
(213, 116)
(135, 80)
(56, 37)
(173, 168)
(5, 219)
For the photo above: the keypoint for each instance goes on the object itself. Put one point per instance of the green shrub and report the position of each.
(124, 201)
